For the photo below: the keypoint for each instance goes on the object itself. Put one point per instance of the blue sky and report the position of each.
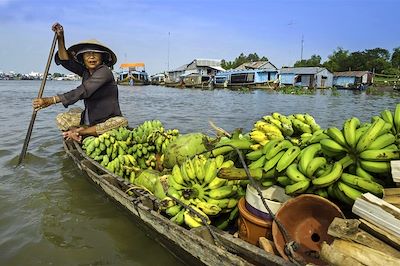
(137, 30)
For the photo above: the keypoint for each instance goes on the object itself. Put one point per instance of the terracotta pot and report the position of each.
(251, 227)
(306, 218)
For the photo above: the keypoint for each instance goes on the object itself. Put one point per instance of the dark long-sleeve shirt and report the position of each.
(99, 92)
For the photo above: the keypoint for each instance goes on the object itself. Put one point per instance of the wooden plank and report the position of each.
(395, 168)
(363, 254)
(334, 256)
(378, 212)
(380, 233)
(348, 229)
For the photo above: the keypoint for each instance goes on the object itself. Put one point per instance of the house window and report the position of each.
(297, 79)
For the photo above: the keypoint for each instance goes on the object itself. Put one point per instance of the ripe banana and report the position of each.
(209, 208)
(234, 173)
(222, 192)
(216, 183)
(287, 158)
(362, 184)
(293, 173)
(370, 135)
(210, 171)
(329, 178)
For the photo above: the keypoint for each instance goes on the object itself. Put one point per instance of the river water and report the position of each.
(51, 215)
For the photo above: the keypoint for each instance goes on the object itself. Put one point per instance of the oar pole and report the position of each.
(46, 72)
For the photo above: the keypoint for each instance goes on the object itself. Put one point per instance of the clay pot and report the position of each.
(306, 218)
(251, 227)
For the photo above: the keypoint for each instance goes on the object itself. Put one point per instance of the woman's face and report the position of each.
(92, 60)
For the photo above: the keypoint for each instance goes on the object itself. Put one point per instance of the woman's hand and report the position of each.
(58, 28)
(73, 134)
(40, 103)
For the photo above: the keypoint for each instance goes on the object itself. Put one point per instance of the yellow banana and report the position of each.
(227, 164)
(216, 183)
(198, 168)
(329, 178)
(221, 192)
(190, 220)
(209, 208)
(178, 218)
(177, 175)
(219, 160)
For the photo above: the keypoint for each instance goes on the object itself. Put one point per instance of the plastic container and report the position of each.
(251, 227)
(274, 197)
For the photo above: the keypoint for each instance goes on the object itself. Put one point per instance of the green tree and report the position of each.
(241, 59)
(395, 60)
(314, 61)
(338, 61)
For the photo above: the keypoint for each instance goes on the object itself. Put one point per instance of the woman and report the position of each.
(92, 61)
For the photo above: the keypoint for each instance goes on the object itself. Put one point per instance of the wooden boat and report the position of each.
(133, 76)
(199, 246)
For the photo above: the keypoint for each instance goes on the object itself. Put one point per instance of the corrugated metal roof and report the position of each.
(351, 73)
(301, 70)
(254, 65)
(207, 62)
(181, 68)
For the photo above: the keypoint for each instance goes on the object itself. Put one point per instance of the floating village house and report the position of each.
(311, 77)
(251, 73)
(175, 74)
(352, 79)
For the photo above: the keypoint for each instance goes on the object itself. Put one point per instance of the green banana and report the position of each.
(222, 192)
(210, 171)
(346, 161)
(177, 175)
(349, 131)
(301, 126)
(332, 146)
(318, 136)
(388, 117)
(275, 149)
(382, 141)
(198, 168)
(174, 210)
(190, 220)
(257, 164)
(268, 182)
(269, 145)
(396, 118)
(364, 174)
(254, 155)
(362, 184)
(222, 203)
(375, 167)
(298, 187)
(293, 173)
(380, 155)
(307, 155)
(178, 218)
(284, 180)
(227, 164)
(321, 192)
(269, 164)
(234, 173)
(370, 135)
(287, 158)
(350, 192)
(314, 165)
(337, 135)
(340, 195)
(329, 178)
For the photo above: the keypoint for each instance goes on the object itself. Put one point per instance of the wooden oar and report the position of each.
(46, 72)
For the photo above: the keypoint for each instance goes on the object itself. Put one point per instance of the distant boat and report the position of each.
(133, 74)
(251, 78)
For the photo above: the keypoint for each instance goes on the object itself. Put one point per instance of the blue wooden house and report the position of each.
(352, 79)
(311, 77)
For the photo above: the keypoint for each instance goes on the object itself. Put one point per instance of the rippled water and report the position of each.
(51, 215)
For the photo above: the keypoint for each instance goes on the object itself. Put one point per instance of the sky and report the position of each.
(166, 34)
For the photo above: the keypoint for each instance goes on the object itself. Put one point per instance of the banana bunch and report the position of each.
(303, 123)
(394, 120)
(371, 146)
(282, 122)
(263, 132)
(196, 184)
